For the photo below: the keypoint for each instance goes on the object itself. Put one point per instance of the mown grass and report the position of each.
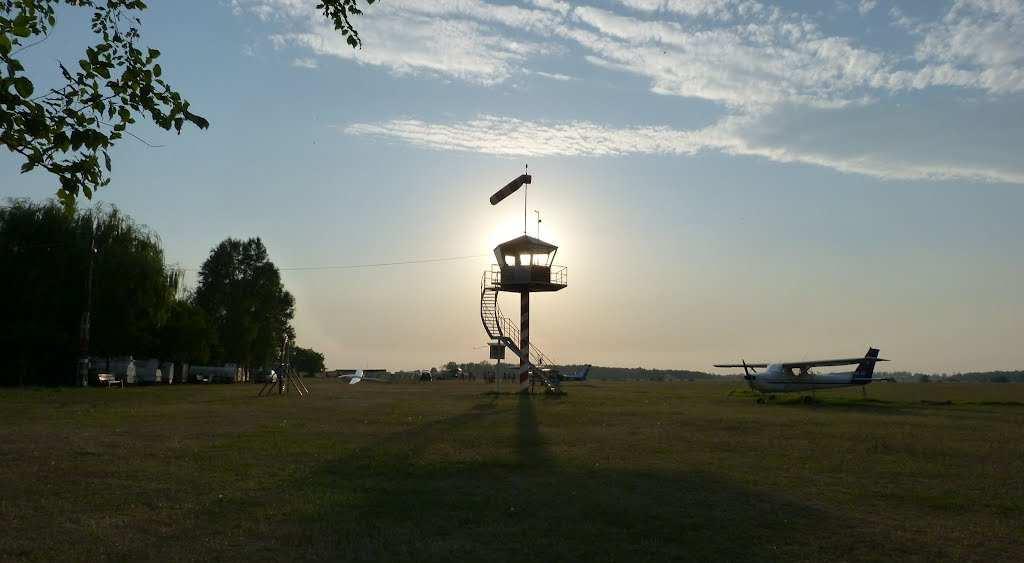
(447, 471)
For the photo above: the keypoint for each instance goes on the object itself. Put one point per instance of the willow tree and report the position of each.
(45, 253)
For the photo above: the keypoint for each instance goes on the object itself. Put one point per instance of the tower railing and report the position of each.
(559, 275)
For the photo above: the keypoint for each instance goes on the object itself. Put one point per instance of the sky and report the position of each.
(725, 178)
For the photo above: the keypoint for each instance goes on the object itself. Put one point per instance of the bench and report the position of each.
(110, 379)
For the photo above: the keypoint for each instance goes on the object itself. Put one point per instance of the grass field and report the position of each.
(446, 471)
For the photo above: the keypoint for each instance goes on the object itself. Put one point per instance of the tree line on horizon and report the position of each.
(604, 373)
(239, 311)
(611, 373)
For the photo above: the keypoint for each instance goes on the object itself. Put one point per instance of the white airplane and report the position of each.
(789, 377)
(358, 376)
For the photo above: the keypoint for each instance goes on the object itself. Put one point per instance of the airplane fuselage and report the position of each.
(777, 379)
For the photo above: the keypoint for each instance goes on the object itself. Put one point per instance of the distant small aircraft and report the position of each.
(578, 375)
(358, 376)
(791, 377)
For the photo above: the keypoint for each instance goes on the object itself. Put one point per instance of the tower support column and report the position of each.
(524, 342)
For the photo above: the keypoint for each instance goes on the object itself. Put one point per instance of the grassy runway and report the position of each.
(448, 472)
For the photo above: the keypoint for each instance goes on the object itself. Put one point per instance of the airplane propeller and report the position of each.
(746, 373)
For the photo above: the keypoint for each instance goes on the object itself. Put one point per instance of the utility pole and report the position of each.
(84, 332)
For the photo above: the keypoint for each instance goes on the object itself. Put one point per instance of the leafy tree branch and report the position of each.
(68, 131)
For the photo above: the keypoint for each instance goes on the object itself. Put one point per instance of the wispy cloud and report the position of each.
(757, 64)
(779, 77)
(741, 53)
(980, 43)
(305, 63)
(554, 76)
(768, 136)
(461, 39)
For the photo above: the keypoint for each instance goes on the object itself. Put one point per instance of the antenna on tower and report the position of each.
(538, 222)
(526, 192)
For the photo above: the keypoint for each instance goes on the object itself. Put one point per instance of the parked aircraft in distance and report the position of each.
(578, 375)
(790, 377)
(358, 376)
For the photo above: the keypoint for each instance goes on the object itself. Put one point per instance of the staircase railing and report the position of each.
(507, 329)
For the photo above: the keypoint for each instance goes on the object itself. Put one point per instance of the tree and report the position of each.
(45, 255)
(132, 288)
(240, 290)
(187, 335)
(307, 360)
(68, 129)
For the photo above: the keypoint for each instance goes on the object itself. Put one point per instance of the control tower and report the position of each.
(525, 265)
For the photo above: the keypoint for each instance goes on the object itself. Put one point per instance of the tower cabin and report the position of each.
(526, 264)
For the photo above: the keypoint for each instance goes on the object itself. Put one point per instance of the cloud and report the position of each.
(714, 9)
(514, 137)
(457, 39)
(741, 66)
(305, 63)
(458, 49)
(790, 91)
(981, 42)
(741, 53)
(554, 76)
(773, 136)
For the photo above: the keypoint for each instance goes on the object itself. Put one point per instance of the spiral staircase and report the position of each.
(501, 329)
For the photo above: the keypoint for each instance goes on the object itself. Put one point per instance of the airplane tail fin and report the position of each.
(356, 378)
(866, 368)
(586, 372)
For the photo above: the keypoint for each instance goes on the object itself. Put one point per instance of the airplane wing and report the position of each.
(834, 362)
(358, 377)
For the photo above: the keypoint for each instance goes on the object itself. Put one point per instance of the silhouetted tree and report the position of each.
(45, 255)
(187, 335)
(240, 291)
(307, 360)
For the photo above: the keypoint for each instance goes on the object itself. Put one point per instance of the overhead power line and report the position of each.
(371, 265)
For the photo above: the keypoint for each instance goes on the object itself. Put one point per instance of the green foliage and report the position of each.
(338, 11)
(45, 254)
(240, 291)
(307, 360)
(69, 130)
(187, 335)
